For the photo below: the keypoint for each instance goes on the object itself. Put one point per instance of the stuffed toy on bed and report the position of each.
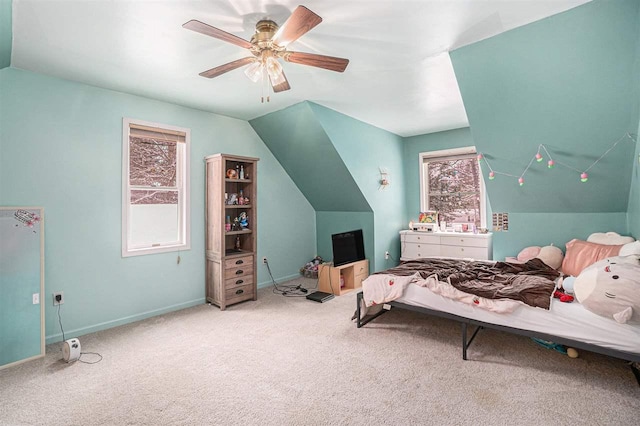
(611, 288)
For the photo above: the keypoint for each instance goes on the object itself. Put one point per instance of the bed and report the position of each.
(432, 286)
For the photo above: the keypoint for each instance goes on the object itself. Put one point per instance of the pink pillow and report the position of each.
(528, 253)
(580, 254)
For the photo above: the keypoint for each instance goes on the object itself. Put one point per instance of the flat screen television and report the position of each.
(348, 247)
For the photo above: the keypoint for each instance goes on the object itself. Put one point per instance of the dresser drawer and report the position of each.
(238, 261)
(236, 294)
(416, 251)
(238, 281)
(238, 271)
(421, 238)
(479, 253)
(461, 240)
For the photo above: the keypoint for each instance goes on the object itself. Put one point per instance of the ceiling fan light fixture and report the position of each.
(274, 69)
(254, 71)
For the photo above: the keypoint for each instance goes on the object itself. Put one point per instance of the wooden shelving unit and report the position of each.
(231, 253)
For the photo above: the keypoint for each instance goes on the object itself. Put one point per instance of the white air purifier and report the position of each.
(71, 350)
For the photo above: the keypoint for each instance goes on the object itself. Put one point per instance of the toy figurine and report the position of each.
(244, 223)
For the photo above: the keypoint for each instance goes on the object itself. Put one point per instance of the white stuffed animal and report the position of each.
(611, 288)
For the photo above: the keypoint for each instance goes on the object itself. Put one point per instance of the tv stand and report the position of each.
(352, 273)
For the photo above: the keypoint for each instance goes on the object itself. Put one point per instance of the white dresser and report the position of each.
(415, 244)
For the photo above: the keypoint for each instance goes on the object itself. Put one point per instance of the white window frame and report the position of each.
(182, 184)
(452, 152)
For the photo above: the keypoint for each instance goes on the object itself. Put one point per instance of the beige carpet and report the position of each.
(292, 361)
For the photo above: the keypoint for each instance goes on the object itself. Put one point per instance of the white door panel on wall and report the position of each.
(21, 284)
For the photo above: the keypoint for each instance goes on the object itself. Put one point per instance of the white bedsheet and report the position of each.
(568, 320)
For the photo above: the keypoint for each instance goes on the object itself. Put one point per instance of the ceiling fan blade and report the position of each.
(202, 28)
(327, 62)
(282, 86)
(214, 72)
(300, 22)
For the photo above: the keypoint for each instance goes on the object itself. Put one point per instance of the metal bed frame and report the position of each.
(466, 322)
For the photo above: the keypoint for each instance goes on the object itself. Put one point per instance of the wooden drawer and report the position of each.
(479, 253)
(421, 238)
(238, 271)
(461, 240)
(239, 293)
(238, 261)
(238, 281)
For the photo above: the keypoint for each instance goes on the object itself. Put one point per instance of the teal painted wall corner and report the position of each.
(633, 212)
(6, 32)
(301, 145)
(365, 150)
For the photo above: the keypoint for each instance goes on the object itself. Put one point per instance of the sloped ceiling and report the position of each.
(567, 82)
(299, 142)
(399, 79)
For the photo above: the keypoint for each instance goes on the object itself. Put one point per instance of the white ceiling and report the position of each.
(399, 78)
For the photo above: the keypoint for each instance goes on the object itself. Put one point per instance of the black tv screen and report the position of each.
(348, 247)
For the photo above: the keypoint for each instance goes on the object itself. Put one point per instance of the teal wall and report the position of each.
(565, 82)
(633, 213)
(568, 82)
(5, 33)
(335, 222)
(335, 160)
(365, 149)
(61, 148)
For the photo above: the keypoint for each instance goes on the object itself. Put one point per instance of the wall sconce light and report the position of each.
(384, 178)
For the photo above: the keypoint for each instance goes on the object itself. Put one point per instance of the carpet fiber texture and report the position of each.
(290, 361)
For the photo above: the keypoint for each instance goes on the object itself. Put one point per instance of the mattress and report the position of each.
(568, 320)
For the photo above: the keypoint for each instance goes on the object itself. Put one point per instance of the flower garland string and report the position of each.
(584, 176)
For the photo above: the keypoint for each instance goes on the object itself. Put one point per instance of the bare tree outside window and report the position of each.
(453, 189)
(152, 171)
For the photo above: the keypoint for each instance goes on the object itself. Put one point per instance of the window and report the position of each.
(155, 188)
(451, 184)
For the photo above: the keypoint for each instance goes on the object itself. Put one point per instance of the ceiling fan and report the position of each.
(267, 45)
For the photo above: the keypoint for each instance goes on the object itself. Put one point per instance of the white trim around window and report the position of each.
(443, 154)
(156, 240)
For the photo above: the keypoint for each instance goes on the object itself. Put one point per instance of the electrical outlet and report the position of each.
(36, 298)
(58, 298)
(386, 255)
(264, 260)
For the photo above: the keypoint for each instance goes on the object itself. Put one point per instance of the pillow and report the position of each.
(580, 254)
(528, 253)
(609, 238)
(631, 248)
(551, 256)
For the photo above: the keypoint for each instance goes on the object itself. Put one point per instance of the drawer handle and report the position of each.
(239, 282)
(239, 291)
(239, 262)
(239, 271)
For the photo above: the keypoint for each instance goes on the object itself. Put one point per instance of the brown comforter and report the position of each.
(532, 282)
